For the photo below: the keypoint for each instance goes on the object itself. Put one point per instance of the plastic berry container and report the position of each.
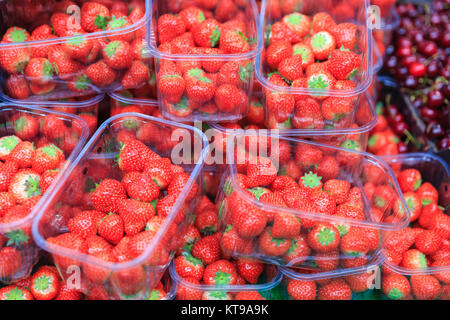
(436, 172)
(121, 102)
(132, 279)
(204, 79)
(85, 107)
(15, 233)
(267, 287)
(65, 49)
(316, 85)
(308, 209)
(383, 35)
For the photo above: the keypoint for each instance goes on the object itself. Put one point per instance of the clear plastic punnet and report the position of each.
(383, 34)
(122, 102)
(204, 71)
(60, 49)
(421, 251)
(124, 277)
(25, 182)
(302, 204)
(265, 289)
(301, 68)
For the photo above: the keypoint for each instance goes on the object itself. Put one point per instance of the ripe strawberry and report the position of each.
(336, 108)
(354, 243)
(170, 27)
(345, 35)
(305, 51)
(17, 87)
(299, 24)
(311, 181)
(108, 195)
(396, 286)
(232, 242)
(111, 227)
(339, 189)
(441, 225)
(428, 242)
(409, 180)
(119, 22)
(165, 205)
(323, 237)
(39, 71)
(298, 252)
(7, 173)
(427, 193)
(279, 31)
(233, 42)
(43, 32)
(249, 220)
(302, 290)
(69, 241)
(191, 16)
(13, 292)
(229, 98)
(327, 168)
(46, 158)
(249, 269)
(285, 226)
(63, 65)
(322, 21)
(207, 33)
(85, 223)
(321, 80)
(425, 287)
(7, 145)
(207, 221)
(189, 293)
(134, 156)
(78, 47)
(186, 266)
(137, 75)
(45, 284)
(65, 293)
(178, 183)
(270, 246)
(94, 16)
(25, 185)
(7, 201)
(414, 259)
(343, 64)
(221, 272)
(277, 51)
(14, 60)
(118, 54)
(15, 34)
(10, 261)
(199, 88)
(281, 105)
(207, 249)
(322, 44)
(135, 215)
(249, 295)
(291, 68)
(383, 197)
(337, 289)
(100, 73)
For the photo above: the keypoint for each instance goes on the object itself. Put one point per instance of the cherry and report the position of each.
(419, 37)
(446, 90)
(445, 72)
(392, 111)
(434, 130)
(404, 42)
(435, 18)
(400, 128)
(429, 49)
(433, 69)
(435, 98)
(408, 60)
(402, 9)
(438, 6)
(417, 103)
(411, 82)
(445, 39)
(434, 34)
(444, 118)
(401, 72)
(417, 69)
(391, 63)
(428, 113)
(402, 147)
(404, 51)
(444, 143)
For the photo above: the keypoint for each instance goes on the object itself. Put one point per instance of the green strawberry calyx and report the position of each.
(426, 202)
(302, 52)
(18, 35)
(51, 150)
(183, 105)
(32, 187)
(154, 295)
(245, 72)
(17, 238)
(101, 22)
(215, 37)
(199, 75)
(319, 40)
(10, 142)
(326, 236)
(76, 41)
(15, 294)
(277, 241)
(380, 202)
(318, 83)
(192, 260)
(82, 83)
(111, 48)
(410, 204)
(351, 144)
(422, 260)
(257, 192)
(201, 16)
(42, 283)
(293, 247)
(395, 294)
(311, 180)
(116, 23)
(222, 278)
(343, 229)
(218, 295)
(417, 184)
(294, 18)
(48, 69)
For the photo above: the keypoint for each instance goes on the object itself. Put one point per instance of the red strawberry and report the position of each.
(191, 16)
(427, 193)
(94, 16)
(337, 289)
(323, 237)
(25, 185)
(63, 65)
(10, 261)
(338, 188)
(46, 158)
(414, 259)
(78, 47)
(137, 75)
(13, 292)
(71, 242)
(232, 242)
(221, 272)
(425, 287)
(261, 172)
(14, 60)
(409, 180)
(229, 98)
(7, 145)
(291, 68)
(15, 34)
(135, 215)
(233, 42)
(207, 33)
(343, 64)
(299, 24)
(119, 22)
(45, 284)
(178, 183)
(7, 201)
(249, 295)
(189, 293)
(111, 227)
(207, 221)
(199, 88)
(383, 197)
(170, 27)
(322, 21)
(354, 243)
(277, 51)
(302, 290)
(281, 105)
(118, 54)
(428, 242)
(17, 87)
(321, 80)
(108, 195)
(345, 35)
(249, 220)
(285, 226)
(396, 286)
(298, 252)
(268, 245)
(47, 178)
(186, 266)
(85, 223)
(7, 173)
(134, 156)
(336, 108)
(65, 293)
(249, 269)
(322, 44)
(100, 73)
(39, 71)
(207, 249)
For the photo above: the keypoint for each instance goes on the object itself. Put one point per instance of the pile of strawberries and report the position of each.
(80, 62)
(209, 84)
(120, 219)
(202, 266)
(421, 250)
(30, 160)
(310, 53)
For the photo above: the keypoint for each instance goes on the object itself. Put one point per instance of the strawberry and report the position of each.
(299, 24)
(61, 23)
(119, 22)
(7, 201)
(69, 241)
(285, 226)
(225, 10)
(249, 295)
(47, 178)
(321, 80)
(10, 261)
(425, 287)
(45, 284)
(311, 181)
(338, 188)
(396, 286)
(111, 227)
(322, 21)
(336, 289)
(46, 158)
(427, 194)
(94, 16)
(25, 185)
(291, 68)
(191, 16)
(336, 108)
(414, 259)
(281, 105)
(302, 290)
(178, 183)
(270, 246)
(7, 145)
(323, 237)
(278, 51)
(229, 98)
(383, 197)
(17, 87)
(101, 74)
(137, 75)
(207, 249)
(429, 213)
(232, 242)
(344, 34)
(249, 269)
(170, 27)
(63, 65)
(441, 225)
(354, 243)
(343, 64)
(165, 205)
(414, 205)
(135, 215)
(428, 242)
(85, 223)
(13, 292)
(39, 71)
(237, 73)
(199, 88)
(118, 54)
(7, 173)
(108, 195)
(221, 272)
(77, 47)
(233, 42)
(15, 34)
(186, 266)
(65, 293)
(322, 45)
(298, 252)
(43, 32)
(189, 293)
(207, 221)
(305, 52)
(409, 180)
(134, 156)
(14, 60)
(249, 220)
(207, 33)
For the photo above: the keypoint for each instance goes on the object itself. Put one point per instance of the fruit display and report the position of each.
(316, 61)
(418, 59)
(36, 147)
(121, 102)
(122, 211)
(205, 53)
(310, 210)
(62, 49)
